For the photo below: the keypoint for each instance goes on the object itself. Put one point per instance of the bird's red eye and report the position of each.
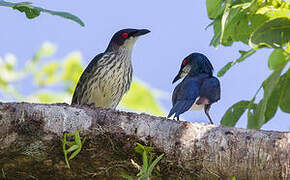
(185, 62)
(125, 35)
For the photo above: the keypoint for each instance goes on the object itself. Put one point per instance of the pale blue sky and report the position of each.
(177, 29)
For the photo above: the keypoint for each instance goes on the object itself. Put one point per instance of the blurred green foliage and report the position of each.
(53, 81)
(33, 11)
(259, 24)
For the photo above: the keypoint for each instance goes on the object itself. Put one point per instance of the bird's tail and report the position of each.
(180, 107)
(170, 113)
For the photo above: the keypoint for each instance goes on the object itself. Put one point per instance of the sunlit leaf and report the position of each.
(33, 11)
(234, 113)
(260, 111)
(140, 148)
(273, 33)
(140, 98)
(74, 154)
(72, 148)
(78, 138)
(277, 59)
(285, 92)
(214, 8)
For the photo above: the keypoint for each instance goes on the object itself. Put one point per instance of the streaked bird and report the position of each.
(108, 76)
(198, 90)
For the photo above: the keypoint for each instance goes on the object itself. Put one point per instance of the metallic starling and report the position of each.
(108, 76)
(198, 90)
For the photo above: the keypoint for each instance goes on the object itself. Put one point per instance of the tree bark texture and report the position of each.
(31, 145)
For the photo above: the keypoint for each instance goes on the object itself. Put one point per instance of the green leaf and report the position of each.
(277, 59)
(72, 148)
(139, 148)
(145, 161)
(70, 144)
(214, 8)
(234, 113)
(126, 176)
(29, 12)
(252, 123)
(224, 69)
(232, 16)
(64, 150)
(83, 141)
(33, 11)
(151, 167)
(244, 55)
(259, 112)
(215, 42)
(143, 176)
(273, 33)
(74, 154)
(78, 138)
(141, 173)
(273, 103)
(285, 92)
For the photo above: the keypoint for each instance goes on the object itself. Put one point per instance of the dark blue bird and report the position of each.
(198, 90)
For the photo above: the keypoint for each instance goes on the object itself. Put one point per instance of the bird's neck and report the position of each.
(127, 47)
(193, 71)
(196, 72)
(124, 51)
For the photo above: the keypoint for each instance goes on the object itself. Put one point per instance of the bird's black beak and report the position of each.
(141, 32)
(177, 77)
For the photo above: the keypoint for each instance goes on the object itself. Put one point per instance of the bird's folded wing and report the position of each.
(185, 95)
(210, 89)
(78, 93)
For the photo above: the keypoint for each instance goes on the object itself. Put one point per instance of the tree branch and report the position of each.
(31, 145)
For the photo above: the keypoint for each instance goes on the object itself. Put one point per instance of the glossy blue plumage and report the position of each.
(198, 87)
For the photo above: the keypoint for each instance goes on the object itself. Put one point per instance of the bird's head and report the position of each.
(125, 39)
(196, 63)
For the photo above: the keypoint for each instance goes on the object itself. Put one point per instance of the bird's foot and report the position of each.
(92, 105)
(176, 118)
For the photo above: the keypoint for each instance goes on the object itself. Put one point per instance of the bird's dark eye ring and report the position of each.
(184, 62)
(125, 35)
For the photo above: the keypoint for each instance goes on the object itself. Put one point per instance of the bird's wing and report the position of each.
(210, 89)
(81, 86)
(175, 92)
(184, 96)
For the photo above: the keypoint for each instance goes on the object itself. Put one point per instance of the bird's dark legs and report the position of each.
(177, 118)
(92, 105)
(206, 110)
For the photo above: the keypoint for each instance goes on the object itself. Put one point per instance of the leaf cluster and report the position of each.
(148, 162)
(74, 147)
(259, 24)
